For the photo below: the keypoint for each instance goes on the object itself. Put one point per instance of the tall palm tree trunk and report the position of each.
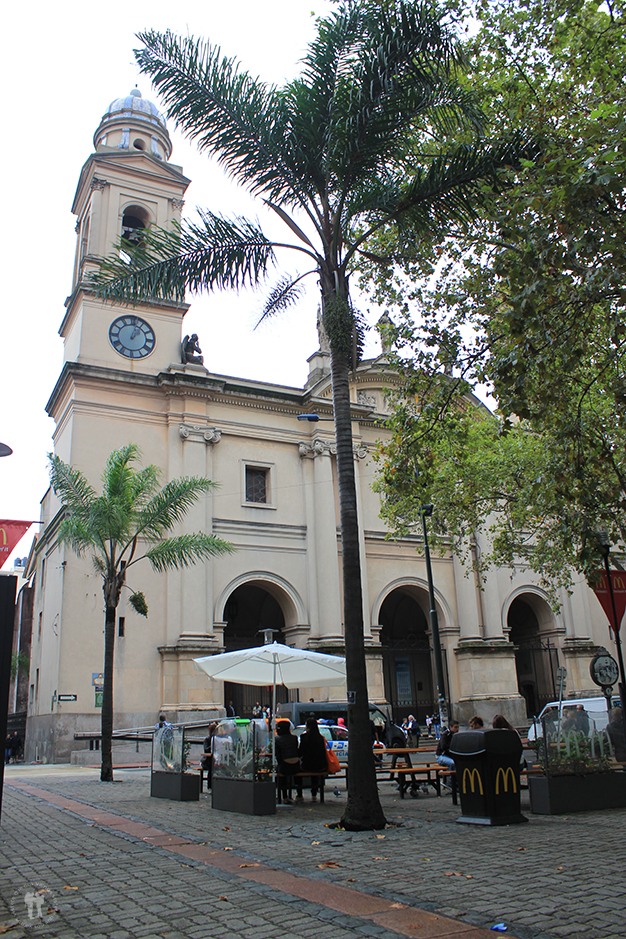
(106, 769)
(363, 809)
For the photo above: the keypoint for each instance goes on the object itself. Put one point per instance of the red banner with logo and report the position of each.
(602, 592)
(10, 533)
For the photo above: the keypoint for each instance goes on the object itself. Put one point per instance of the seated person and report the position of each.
(286, 754)
(312, 750)
(615, 730)
(445, 742)
(477, 723)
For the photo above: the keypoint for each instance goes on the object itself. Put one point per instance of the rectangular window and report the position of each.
(256, 485)
(121, 626)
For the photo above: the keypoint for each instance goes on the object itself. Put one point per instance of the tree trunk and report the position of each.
(106, 770)
(363, 810)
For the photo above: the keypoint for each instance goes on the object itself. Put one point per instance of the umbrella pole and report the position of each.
(273, 720)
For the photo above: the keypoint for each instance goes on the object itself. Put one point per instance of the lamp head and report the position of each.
(427, 510)
(313, 418)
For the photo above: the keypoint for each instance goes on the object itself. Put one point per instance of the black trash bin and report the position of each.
(487, 776)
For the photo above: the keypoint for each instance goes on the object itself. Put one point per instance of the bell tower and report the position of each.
(126, 186)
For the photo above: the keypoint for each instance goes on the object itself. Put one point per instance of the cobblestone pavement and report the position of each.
(116, 863)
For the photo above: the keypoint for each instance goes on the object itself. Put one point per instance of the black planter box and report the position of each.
(182, 787)
(560, 795)
(243, 795)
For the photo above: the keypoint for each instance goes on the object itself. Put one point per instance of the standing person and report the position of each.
(230, 710)
(16, 746)
(257, 710)
(7, 749)
(429, 725)
(437, 726)
(413, 731)
(162, 722)
(288, 762)
(445, 742)
(312, 751)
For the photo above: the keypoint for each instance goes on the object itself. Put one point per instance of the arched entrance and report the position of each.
(536, 658)
(250, 609)
(407, 662)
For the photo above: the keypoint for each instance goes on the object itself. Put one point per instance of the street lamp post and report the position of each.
(425, 512)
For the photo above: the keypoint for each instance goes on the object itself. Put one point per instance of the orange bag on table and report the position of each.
(332, 760)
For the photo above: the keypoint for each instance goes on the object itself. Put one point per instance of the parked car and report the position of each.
(297, 711)
(595, 710)
(336, 736)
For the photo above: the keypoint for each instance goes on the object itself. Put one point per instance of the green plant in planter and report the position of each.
(573, 753)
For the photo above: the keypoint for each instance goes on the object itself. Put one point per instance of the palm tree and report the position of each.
(366, 140)
(121, 527)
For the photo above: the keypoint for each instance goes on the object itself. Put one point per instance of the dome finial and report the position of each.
(135, 92)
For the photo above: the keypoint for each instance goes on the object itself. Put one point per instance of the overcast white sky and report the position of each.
(63, 64)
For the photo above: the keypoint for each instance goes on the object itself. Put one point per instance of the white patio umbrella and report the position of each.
(275, 664)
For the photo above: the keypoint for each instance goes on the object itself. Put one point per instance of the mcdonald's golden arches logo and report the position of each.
(474, 780)
(505, 779)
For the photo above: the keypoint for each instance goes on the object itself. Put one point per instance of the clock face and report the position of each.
(131, 336)
(604, 670)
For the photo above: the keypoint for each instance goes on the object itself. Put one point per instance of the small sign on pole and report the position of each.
(68, 697)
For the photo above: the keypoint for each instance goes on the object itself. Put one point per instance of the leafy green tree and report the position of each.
(529, 300)
(124, 525)
(376, 133)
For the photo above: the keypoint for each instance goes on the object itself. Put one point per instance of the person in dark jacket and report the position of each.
(312, 750)
(288, 762)
(615, 730)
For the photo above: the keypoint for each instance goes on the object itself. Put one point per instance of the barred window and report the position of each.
(256, 484)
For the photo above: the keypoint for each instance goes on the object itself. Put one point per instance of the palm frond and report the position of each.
(185, 550)
(170, 505)
(212, 253)
(238, 118)
(451, 189)
(70, 485)
(285, 294)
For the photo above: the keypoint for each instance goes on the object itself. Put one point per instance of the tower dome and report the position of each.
(133, 123)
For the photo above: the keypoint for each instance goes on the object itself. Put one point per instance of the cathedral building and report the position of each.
(127, 377)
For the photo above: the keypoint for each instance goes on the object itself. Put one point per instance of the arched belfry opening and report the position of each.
(134, 222)
(407, 653)
(250, 609)
(529, 621)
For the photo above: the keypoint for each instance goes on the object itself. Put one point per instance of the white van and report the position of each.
(595, 710)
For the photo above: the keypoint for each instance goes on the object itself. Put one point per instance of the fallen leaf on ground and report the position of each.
(397, 906)
(222, 898)
(453, 874)
(350, 880)
(226, 828)
(228, 849)
(8, 927)
(329, 864)
(425, 859)
(469, 877)
(316, 842)
(380, 836)
(380, 859)
(559, 868)
(521, 849)
(70, 888)
(249, 865)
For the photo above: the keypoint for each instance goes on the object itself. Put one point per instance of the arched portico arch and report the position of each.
(252, 603)
(287, 597)
(528, 620)
(401, 613)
